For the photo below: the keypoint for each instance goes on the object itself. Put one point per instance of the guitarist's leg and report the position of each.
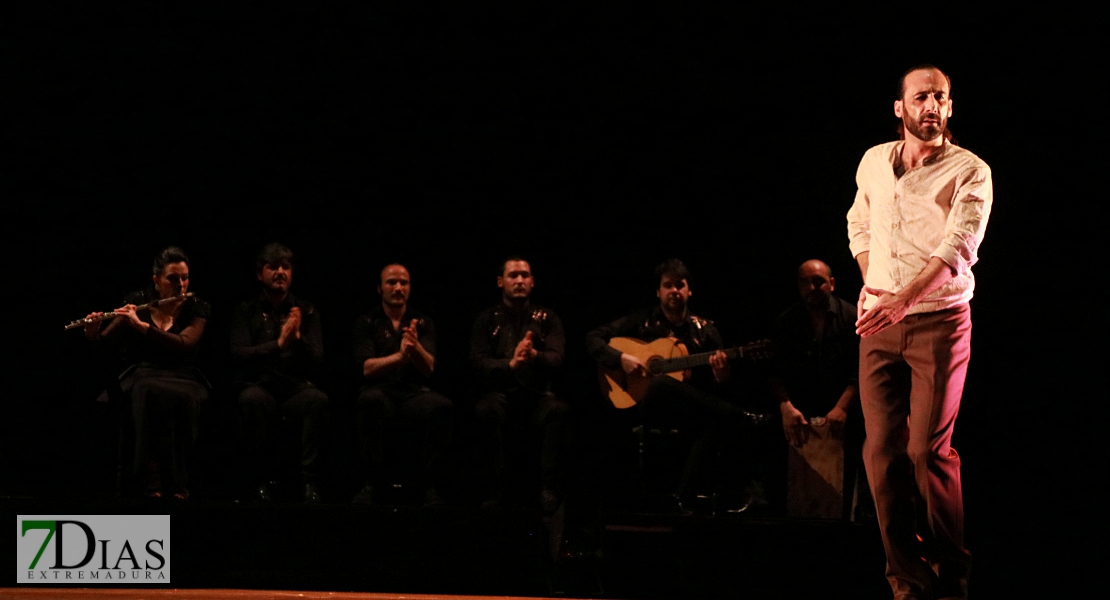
(709, 421)
(667, 403)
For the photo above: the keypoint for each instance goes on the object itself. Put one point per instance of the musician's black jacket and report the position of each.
(374, 337)
(255, 329)
(698, 334)
(495, 336)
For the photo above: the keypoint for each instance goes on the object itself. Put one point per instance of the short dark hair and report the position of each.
(673, 267)
(510, 259)
(169, 256)
(273, 254)
(921, 67)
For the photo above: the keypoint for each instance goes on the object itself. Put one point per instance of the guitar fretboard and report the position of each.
(681, 363)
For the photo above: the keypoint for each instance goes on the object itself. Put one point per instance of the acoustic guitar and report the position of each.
(664, 356)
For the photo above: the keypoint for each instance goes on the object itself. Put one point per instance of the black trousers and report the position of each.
(164, 417)
(417, 421)
(543, 416)
(715, 426)
(260, 407)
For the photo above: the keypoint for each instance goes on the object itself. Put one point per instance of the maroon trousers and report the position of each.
(911, 380)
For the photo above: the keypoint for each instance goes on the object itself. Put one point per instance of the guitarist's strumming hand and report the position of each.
(524, 352)
(721, 369)
(630, 364)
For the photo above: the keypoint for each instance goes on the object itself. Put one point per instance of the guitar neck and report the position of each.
(681, 363)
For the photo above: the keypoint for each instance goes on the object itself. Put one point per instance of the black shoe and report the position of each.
(263, 494)
(311, 494)
(747, 503)
(755, 418)
(673, 506)
(432, 498)
(364, 496)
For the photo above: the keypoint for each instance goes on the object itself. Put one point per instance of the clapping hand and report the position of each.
(524, 352)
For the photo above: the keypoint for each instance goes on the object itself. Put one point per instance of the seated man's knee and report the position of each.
(254, 397)
(552, 409)
(372, 401)
(490, 409)
(316, 400)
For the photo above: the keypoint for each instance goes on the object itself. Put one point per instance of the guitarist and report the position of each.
(694, 405)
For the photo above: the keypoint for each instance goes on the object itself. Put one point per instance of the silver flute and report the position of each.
(111, 314)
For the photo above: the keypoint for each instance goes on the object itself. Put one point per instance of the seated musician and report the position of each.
(694, 405)
(817, 368)
(161, 385)
(277, 343)
(394, 348)
(515, 348)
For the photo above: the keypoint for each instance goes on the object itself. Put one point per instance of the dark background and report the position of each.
(596, 141)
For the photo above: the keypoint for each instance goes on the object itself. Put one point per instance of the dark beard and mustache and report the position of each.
(925, 132)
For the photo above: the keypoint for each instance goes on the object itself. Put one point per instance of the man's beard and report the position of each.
(925, 132)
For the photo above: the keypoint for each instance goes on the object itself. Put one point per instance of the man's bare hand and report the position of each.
(524, 352)
(890, 309)
(836, 420)
(721, 369)
(291, 329)
(410, 339)
(632, 365)
(794, 424)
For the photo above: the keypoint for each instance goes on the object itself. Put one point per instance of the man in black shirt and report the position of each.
(817, 367)
(516, 347)
(277, 344)
(693, 405)
(816, 355)
(394, 347)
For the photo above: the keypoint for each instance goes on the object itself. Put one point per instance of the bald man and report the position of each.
(394, 347)
(915, 228)
(816, 355)
(817, 367)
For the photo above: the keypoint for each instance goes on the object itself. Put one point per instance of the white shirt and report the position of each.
(937, 209)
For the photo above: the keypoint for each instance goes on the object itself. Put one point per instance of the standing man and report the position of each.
(395, 347)
(817, 367)
(277, 344)
(915, 228)
(516, 348)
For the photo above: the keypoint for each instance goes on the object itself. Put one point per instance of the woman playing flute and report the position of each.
(161, 385)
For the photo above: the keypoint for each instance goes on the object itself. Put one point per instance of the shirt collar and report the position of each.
(896, 160)
(290, 301)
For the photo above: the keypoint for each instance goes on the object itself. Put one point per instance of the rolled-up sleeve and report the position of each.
(967, 220)
(859, 224)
